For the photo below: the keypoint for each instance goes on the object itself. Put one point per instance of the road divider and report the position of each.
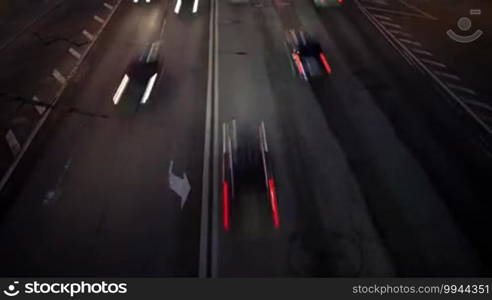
(204, 266)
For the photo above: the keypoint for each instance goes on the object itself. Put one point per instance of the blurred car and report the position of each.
(328, 3)
(307, 55)
(249, 194)
(140, 76)
(140, 1)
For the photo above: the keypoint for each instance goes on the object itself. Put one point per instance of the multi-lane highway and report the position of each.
(236, 166)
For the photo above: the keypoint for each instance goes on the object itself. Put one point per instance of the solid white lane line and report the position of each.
(75, 53)
(216, 217)
(204, 221)
(433, 62)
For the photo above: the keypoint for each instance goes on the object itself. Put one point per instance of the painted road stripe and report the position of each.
(423, 52)
(418, 10)
(447, 75)
(461, 89)
(395, 12)
(398, 32)
(59, 77)
(108, 6)
(420, 63)
(216, 217)
(6, 176)
(410, 42)
(195, 6)
(391, 24)
(75, 53)
(383, 17)
(13, 143)
(98, 19)
(39, 108)
(88, 35)
(478, 104)
(433, 62)
(177, 8)
(205, 224)
(385, 33)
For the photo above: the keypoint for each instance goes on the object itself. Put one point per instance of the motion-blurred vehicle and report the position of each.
(140, 76)
(328, 3)
(307, 55)
(249, 194)
(141, 1)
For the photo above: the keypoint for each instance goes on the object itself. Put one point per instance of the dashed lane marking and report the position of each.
(461, 89)
(108, 6)
(98, 19)
(433, 62)
(390, 24)
(398, 32)
(88, 35)
(75, 53)
(410, 42)
(59, 77)
(423, 52)
(447, 75)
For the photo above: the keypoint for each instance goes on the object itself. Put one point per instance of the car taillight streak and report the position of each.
(274, 203)
(225, 208)
(325, 63)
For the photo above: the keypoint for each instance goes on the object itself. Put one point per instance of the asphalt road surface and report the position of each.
(376, 171)
(97, 199)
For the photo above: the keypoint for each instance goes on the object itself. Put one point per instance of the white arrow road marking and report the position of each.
(180, 186)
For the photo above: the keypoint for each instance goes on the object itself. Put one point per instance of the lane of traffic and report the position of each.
(98, 200)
